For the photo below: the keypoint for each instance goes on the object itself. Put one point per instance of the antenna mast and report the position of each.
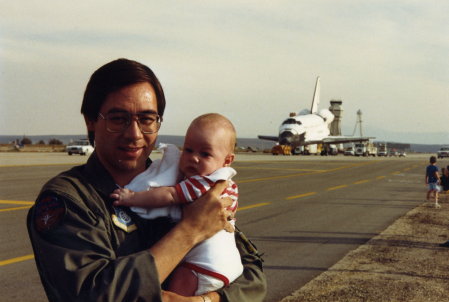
(359, 123)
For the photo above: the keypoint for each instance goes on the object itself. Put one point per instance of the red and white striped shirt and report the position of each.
(194, 187)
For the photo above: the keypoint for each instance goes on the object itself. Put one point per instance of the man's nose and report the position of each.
(133, 129)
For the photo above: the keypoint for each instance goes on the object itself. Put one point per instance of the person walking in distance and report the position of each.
(432, 181)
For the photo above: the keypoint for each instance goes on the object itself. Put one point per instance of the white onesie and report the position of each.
(216, 261)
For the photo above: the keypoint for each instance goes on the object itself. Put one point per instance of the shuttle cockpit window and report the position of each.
(290, 121)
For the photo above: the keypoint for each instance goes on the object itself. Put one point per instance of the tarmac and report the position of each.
(403, 263)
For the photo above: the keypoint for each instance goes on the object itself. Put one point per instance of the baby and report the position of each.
(206, 158)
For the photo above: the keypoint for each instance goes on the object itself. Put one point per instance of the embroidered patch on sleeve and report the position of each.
(50, 210)
(123, 220)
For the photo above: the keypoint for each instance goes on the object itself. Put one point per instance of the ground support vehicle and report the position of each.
(382, 150)
(443, 152)
(349, 151)
(281, 149)
(365, 149)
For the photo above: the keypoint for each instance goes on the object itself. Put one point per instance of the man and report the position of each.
(88, 250)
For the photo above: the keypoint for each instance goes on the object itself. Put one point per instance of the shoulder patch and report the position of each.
(123, 220)
(49, 211)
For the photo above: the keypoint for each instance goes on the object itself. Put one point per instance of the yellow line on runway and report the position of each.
(396, 172)
(283, 169)
(15, 209)
(301, 195)
(16, 202)
(336, 187)
(380, 177)
(275, 177)
(361, 181)
(311, 171)
(351, 166)
(253, 206)
(18, 259)
(40, 165)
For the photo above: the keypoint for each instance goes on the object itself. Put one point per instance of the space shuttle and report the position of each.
(310, 126)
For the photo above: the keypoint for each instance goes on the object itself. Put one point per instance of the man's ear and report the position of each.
(229, 159)
(90, 124)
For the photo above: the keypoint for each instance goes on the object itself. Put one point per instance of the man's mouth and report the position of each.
(131, 150)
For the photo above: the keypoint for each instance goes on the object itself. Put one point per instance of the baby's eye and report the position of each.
(205, 154)
(188, 150)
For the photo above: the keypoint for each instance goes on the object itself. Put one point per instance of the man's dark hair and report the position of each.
(433, 159)
(112, 77)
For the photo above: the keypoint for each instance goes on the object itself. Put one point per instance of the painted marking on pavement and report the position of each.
(361, 181)
(275, 177)
(15, 209)
(40, 165)
(253, 206)
(336, 188)
(283, 169)
(16, 202)
(301, 174)
(17, 259)
(301, 195)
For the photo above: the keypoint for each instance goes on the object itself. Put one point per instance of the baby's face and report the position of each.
(205, 150)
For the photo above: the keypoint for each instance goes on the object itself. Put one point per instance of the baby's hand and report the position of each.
(122, 196)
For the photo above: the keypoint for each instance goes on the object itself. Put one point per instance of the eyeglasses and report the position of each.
(119, 121)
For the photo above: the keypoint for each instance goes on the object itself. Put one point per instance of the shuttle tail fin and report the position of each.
(316, 97)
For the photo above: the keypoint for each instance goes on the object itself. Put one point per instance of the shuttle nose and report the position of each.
(286, 138)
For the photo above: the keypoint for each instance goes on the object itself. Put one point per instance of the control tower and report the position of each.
(337, 111)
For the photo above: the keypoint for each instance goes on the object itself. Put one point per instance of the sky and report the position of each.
(254, 61)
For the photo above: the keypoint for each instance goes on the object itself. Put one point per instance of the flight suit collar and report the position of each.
(100, 177)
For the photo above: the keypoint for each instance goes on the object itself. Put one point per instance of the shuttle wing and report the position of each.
(338, 140)
(344, 139)
(269, 138)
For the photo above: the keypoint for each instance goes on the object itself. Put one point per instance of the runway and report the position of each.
(303, 213)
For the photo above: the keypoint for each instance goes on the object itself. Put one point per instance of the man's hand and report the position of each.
(208, 214)
(172, 297)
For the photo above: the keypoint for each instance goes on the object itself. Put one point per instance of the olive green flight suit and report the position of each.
(87, 250)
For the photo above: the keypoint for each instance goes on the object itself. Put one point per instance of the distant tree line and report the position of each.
(27, 141)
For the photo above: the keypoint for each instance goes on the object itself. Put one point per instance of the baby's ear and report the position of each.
(229, 159)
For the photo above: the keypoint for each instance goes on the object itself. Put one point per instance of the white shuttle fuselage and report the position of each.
(299, 129)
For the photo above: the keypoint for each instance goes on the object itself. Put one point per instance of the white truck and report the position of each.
(81, 147)
(365, 149)
(382, 150)
(349, 151)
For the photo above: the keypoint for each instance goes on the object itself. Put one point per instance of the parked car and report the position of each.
(81, 147)
(393, 153)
